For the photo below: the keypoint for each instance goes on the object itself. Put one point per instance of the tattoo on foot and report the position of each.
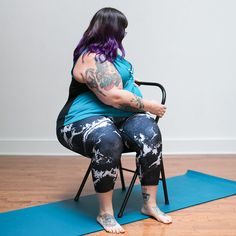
(107, 220)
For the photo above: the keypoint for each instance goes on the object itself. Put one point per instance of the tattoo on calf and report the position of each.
(146, 197)
(103, 77)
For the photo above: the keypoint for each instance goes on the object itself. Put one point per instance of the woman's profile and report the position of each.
(105, 112)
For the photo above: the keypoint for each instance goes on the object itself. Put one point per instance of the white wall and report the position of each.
(188, 46)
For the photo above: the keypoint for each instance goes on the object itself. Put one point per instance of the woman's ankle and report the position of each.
(149, 204)
(149, 196)
(106, 211)
(105, 203)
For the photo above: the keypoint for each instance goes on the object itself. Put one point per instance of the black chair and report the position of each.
(162, 172)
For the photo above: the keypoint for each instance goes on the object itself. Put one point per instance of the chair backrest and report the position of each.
(163, 91)
(163, 100)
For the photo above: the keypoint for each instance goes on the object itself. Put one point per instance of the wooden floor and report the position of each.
(30, 181)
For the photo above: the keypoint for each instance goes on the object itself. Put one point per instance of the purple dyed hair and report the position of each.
(104, 35)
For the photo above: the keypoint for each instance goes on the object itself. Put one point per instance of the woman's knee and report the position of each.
(143, 123)
(70, 138)
(151, 133)
(106, 148)
(146, 137)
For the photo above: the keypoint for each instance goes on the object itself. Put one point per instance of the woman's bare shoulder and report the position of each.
(84, 62)
(95, 62)
(88, 58)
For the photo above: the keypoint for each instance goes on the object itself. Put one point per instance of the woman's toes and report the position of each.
(115, 230)
(156, 213)
(108, 229)
(164, 218)
(109, 223)
(119, 229)
(122, 230)
(169, 219)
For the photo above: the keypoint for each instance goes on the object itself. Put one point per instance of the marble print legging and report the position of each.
(103, 140)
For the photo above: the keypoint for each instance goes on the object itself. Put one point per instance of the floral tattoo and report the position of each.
(102, 78)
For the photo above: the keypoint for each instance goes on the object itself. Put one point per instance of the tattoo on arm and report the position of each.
(92, 80)
(104, 77)
(137, 101)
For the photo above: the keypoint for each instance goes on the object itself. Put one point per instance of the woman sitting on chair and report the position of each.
(105, 111)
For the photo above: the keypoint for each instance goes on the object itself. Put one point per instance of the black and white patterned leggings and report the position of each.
(103, 139)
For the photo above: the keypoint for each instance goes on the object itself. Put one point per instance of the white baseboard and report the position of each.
(51, 147)
(199, 146)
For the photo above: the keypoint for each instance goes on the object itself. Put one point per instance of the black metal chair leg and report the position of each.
(120, 214)
(122, 176)
(83, 183)
(164, 183)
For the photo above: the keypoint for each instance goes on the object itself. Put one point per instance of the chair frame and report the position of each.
(121, 169)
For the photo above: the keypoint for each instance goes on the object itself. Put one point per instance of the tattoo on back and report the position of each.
(104, 77)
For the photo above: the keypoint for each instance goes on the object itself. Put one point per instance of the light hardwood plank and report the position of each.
(31, 181)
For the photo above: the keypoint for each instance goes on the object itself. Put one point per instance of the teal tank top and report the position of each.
(87, 104)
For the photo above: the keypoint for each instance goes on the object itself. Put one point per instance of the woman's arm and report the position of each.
(104, 80)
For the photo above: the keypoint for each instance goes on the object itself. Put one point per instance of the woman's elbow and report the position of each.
(114, 100)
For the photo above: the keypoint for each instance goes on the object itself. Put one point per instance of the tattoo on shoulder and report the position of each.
(90, 77)
(104, 77)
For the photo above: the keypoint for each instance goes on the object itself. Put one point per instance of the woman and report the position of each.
(103, 114)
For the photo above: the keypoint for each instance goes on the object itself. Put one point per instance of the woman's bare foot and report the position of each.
(109, 223)
(157, 214)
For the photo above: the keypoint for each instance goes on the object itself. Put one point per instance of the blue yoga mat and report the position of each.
(70, 218)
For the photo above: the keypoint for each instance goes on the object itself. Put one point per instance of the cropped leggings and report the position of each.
(103, 140)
